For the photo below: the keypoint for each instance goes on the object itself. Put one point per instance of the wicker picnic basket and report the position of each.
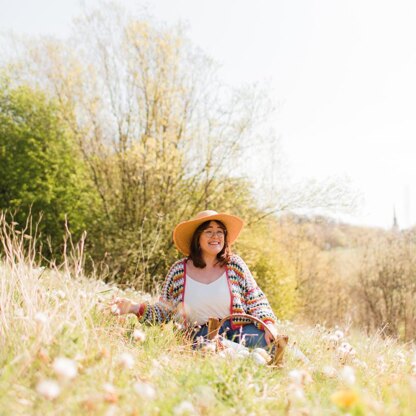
(280, 341)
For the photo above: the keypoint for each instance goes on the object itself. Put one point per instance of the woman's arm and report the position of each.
(156, 313)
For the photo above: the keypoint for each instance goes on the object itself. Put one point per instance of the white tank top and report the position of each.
(203, 301)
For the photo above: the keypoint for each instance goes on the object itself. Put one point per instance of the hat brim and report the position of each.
(183, 232)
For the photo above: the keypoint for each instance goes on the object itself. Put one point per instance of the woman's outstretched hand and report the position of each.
(122, 306)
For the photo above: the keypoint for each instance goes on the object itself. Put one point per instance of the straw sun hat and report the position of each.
(183, 232)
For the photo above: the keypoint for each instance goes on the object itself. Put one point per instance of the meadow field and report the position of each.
(64, 353)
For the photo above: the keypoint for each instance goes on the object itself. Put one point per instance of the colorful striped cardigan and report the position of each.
(246, 296)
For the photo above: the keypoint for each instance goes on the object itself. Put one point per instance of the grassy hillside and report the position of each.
(63, 352)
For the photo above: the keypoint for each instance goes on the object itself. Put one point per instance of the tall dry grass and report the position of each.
(62, 352)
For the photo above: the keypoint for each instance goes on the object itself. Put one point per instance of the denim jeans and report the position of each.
(248, 335)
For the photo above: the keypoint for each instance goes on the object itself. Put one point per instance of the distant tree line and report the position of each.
(353, 276)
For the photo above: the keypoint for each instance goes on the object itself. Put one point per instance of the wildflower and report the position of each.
(263, 353)
(65, 368)
(200, 341)
(109, 388)
(112, 410)
(331, 340)
(59, 294)
(43, 355)
(209, 347)
(90, 404)
(300, 377)
(345, 351)
(339, 334)
(48, 389)
(413, 365)
(360, 363)
(347, 375)
(329, 371)
(412, 382)
(139, 335)
(145, 390)
(205, 396)
(126, 360)
(184, 408)
(382, 366)
(345, 398)
(115, 310)
(243, 354)
(110, 395)
(41, 318)
(178, 326)
(227, 353)
(295, 393)
(80, 357)
(19, 313)
(103, 353)
(299, 355)
(258, 359)
(156, 369)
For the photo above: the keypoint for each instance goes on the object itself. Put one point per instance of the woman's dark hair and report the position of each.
(223, 257)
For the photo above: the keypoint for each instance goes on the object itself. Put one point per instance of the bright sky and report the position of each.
(343, 72)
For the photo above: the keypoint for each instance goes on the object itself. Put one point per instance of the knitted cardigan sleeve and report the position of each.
(256, 302)
(163, 310)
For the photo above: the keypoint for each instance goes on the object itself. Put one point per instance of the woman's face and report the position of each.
(212, 239)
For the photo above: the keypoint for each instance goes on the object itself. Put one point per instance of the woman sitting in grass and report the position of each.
(209, 282)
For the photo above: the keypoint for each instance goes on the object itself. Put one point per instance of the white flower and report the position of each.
(263, 353)
(329, 371)
(331, 340)
(184, 408)
(412, 382)
(19, 313)
(347, 375)
(413, 366)
(112, 410)
(157, 368)
(382, 366)
(401, 357)
(145, 390)
(243, 354)
(295, 393)
(209, 347)
(300, 377)
(345, 351)
(126, 360)
(139, 335)
(59, 294)
(48, 389)
(339, 334)
(360, 363)
(228, 353)
(299, 355)
(115, 310)
(41, 318)
(65, 368)
(109, 388)
(80, 356)
(205, 396)
(258, 359)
